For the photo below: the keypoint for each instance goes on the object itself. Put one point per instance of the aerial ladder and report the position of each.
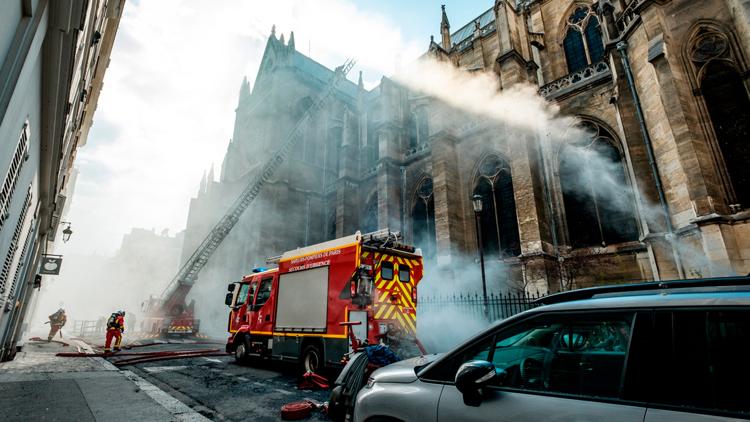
(169, 314)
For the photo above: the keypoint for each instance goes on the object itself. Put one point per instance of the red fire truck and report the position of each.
(295, 312)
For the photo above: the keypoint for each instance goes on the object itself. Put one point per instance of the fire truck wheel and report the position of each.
(312, 358)
(240, 351)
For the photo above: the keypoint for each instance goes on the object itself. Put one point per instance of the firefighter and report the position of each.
(115, 328)
(56, 322)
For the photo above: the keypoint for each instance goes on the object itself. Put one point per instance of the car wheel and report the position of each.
(312, 359)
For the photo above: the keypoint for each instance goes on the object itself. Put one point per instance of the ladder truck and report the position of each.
(169, 314)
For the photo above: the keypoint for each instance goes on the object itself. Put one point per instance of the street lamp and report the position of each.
(66, 232)
(476, 202)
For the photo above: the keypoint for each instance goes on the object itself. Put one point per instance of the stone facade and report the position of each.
(637, 72)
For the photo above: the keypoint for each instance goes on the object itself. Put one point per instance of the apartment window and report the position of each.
(22, 260)
(11, 254)
(14, 170)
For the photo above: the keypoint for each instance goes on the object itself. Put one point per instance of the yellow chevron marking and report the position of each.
(391, 312)
(406, 295)
(379, 313)
(407, 322)
(390, 285)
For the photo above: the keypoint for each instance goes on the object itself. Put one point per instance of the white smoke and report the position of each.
(521, 114)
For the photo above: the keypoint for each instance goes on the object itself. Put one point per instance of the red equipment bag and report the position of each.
(296, 410)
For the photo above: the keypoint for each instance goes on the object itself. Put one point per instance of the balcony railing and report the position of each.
(576, 80)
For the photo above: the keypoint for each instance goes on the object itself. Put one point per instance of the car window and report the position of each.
(579, 354)
(702, 359)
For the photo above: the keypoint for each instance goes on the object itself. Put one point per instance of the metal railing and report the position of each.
(499, 306)
(88, 328)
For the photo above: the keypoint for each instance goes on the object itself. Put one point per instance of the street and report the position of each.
(510, 210)
(221, 389)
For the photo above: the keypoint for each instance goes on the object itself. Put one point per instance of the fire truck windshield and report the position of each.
(242, 295)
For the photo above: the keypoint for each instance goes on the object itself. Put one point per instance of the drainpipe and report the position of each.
(552, 218)
(402, 170)
(622, 47)
(307, 219)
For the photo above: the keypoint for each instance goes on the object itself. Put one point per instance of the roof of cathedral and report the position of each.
(320, 72)
(468, 30)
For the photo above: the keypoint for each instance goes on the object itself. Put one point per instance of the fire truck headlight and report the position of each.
(370, 382)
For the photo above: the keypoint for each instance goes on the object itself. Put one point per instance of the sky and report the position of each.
(166, 112)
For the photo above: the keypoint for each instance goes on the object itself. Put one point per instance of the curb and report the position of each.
(178, 409)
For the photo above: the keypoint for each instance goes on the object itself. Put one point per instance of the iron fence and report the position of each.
(499, 306)
(87, 328)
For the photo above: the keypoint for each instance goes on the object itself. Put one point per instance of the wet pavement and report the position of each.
(40, 386)
(220, 389)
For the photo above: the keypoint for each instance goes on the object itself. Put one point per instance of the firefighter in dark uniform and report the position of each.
(115, 328)
(56, 322)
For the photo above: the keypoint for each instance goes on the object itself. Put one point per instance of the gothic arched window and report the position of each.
(728, 106)
(423, 219)
(499, 223)
(583, 39)
(413, 130)
(597, 197)
(370, 220)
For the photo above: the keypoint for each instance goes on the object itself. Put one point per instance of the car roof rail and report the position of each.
(590, 292)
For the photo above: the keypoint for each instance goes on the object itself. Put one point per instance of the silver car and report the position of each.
(670, 351)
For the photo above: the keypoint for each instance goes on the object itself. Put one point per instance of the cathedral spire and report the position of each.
(360, 84)
(202, 188)
(244, 90)
(281, 38)
(273, 31)
(445, 30)
(291, 40)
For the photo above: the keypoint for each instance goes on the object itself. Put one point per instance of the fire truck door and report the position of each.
(239, 311)
(261, 318)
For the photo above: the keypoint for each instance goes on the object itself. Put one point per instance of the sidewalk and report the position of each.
(39, 386)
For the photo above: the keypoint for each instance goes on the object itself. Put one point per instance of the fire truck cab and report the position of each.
(294, 312)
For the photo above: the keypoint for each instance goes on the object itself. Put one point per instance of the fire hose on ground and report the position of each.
(141, 357)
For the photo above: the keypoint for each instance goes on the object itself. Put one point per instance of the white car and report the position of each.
(669, 351)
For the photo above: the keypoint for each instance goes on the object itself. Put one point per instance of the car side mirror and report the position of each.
(472, 376)
(228, 299)
(230, 287)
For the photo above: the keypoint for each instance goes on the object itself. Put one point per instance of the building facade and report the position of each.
(53, 55)
(660, 86)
